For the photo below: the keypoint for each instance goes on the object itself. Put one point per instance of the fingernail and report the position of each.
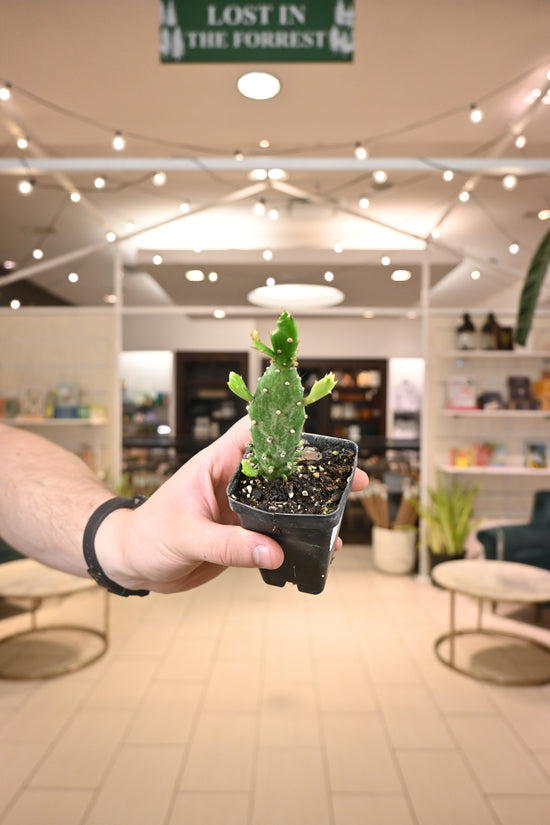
(261, 555)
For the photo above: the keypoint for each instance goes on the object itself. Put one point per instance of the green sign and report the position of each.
(200, 31)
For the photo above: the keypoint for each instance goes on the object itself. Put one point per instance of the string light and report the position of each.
(5, 92)
(513, 249)
(212, 277)
(338, 248)
(360, 152)
(159, 178)
(273, 214)
(22, 143)
(364, 202)
(219, 313)
(259, 208)
(264, 144)
(475, 113)
(72, 277)
(184, 207)
(267, 254)
(157, 260)
(238, 155)
(329, 276)
(75, 196)
(543, 215)
(270, 281)
(464, 196)
(37, 254)
(475, 274)
(521, 142)
(15, 303)
(385, 260)
(99, 183)
(130, 226)
(194, 275)
(401, 275)
(118, 142)
(448, 175)
(435, 233)
(380, 176)
(509, 182)
(26, 186)
(277, 174)
(110, 236)
(258, 174)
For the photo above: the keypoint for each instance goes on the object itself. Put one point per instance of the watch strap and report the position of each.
(88, 543)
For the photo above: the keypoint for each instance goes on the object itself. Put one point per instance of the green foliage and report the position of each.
(277, 408)
(448, 516)
(531, 289)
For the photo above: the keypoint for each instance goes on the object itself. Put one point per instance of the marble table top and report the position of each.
(496, 580)
(27, 578)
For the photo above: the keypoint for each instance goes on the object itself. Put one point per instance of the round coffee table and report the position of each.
(495, 581)
(48, 650)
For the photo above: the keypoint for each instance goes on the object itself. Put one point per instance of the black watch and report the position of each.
(94, 568)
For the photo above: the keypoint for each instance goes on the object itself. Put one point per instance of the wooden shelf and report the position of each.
(496, 413)
(497, 353)
(32, 421)
(505, 470)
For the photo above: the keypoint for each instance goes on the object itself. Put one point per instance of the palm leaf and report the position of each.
(531, 288)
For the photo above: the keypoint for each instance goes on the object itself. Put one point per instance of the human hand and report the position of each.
(186, 534)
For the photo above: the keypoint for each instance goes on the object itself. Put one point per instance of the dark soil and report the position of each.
(316, 486)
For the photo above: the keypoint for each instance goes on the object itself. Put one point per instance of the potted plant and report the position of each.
(448, 519)
(393, 541)
(291, 485)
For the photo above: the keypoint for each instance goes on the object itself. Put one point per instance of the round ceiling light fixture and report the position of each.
(401, 275)
(296, 296)
(258, 85)
(194, 275)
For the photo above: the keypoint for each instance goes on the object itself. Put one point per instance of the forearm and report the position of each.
(46, 497)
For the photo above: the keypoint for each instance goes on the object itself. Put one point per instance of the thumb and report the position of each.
(232, 546)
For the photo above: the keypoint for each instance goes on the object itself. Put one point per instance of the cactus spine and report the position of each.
(277, 409)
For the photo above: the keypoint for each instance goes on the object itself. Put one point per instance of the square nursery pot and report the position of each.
(307, 540)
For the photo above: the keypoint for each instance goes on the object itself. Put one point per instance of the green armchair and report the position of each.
(527, 543)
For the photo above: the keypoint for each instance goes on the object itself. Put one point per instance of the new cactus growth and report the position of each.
(277, 409)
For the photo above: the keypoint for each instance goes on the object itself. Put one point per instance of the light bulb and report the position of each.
(212, 277)
(509, 182)
(37, 254)
(338, 248)
(270, 281)
(329, 276)
(22, 143)
(435, 233)
(267, 254)
(259, 208)
(273, 214)
(258, 85)
(15, 303)
(475, 274)
(219, 313)
(542, 215)
(258, 174)
(364, 202)
(385, 260)
(401, 275)
(194, 275)
(184, 207)
(464, 196)
(157, 260)
(264, 144)
(5, 91)
(99, 183)
(118, 142)
(521, 141)
(360, 152)
(72, 277)
(513, 249)
(475, 113)
(276, 174)
(110, 236)
(130, 226)
(380, 176)
(448, 175)
(159, 178)
(25, 186)
(75, 196)
(238, 155)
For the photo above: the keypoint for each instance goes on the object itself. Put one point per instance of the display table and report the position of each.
(523, 660)
(54, 649)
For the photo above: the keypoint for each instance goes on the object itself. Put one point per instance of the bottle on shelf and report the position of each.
(466, 333)
(489, 333)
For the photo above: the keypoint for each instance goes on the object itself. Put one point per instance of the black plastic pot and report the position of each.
(308, 541)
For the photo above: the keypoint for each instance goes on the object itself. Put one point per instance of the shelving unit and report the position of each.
(506, 488)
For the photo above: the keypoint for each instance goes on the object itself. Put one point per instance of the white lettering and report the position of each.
(289, 14)
(207, 40)
(241, 38)
(234, 15)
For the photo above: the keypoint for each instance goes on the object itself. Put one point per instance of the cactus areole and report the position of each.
(277, 408)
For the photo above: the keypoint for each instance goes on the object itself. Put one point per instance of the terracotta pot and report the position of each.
(308, 541)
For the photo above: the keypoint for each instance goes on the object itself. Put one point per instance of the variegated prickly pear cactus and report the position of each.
(277, 409)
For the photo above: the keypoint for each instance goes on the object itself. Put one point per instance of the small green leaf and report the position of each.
(531, 288)
(248, 469)
(237, 385)
(321, 388)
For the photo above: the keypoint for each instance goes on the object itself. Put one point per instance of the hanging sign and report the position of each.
(205, 31)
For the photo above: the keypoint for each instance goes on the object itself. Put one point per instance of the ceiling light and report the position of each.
(194, 275)
(475, 113)
(258, 174)
(338, 248)
(219, 313)
(72, 277)
(110, 298)
(360, 152)
(130, 226)
(258, 85)
(264, 144)
(364, 202)
(513, 249)
(475, 274)
(267, 254)
(238, 155)
(277, 174)
(521, 141)
(25, 186)
(270, 282)
(22, 143)
(159, 178)
(380, 176)
(435, 233)
(329, 276)
(157, 260)
(543, 215)
(464, 196)
(15, 303)
(385, 260)
(401, 275)
(110, 236)
(212, 277)
(509, 182)
(368, 313)
(273, 214)
(448, 175)
(184, 207)
(197, 248)
(75, 196)
(118, 142)
(5, 91)
(259, 208)
(8, 264)
(99, 183)
(37, 254)
(296, 296)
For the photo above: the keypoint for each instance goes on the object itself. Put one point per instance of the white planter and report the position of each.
(394, 551)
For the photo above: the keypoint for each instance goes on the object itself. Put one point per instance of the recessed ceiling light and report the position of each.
(37, 254)
(401, 275)
(267, 254)
(475, 274)
(258, 85)
(385, 260)
(194, 275)
(212, 277)
(270, 282)
(99, 183)
(264, 144)
(277, 174)
(15, 303)
(159, 178)
(295, 296)
(257, 174)
(543, 215)
(72, 277)
(219, 313)
(329, 276)
(157, 260)
(12, 264)
(110, 298)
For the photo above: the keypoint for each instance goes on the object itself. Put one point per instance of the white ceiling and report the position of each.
(81, 70)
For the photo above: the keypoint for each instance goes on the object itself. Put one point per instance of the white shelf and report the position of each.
(32, 421)
(505, 470)
(497, 353)
(496, 413)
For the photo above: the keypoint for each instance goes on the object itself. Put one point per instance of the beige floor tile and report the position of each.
(288, 660)
(290, 788)
(167, 714)
(123, 685)
(80, 758)
(210, 809)
(343, 684)
(139, 788)
(17, 762)
(221, 753)
(521, 810)
(234, 685)
(454, 692)
(49, 807)
(358, 755)
(46, 712)
(500, 762)
(289, 717)
(412, 718)
(364, 809)
(188, 659)
(388, 662)
(528, 713)
(442, 789)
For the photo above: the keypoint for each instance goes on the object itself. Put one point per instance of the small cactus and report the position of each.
(277, 409)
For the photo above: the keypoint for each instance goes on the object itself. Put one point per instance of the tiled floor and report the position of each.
(243, 704)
